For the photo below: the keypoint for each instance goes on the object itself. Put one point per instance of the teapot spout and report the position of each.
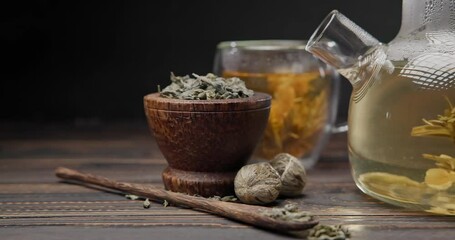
(355, 54)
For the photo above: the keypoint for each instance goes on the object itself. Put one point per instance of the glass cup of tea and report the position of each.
(304, 94)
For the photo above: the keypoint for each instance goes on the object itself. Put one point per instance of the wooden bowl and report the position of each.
(206, 142)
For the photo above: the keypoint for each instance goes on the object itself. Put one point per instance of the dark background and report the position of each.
(93, 61)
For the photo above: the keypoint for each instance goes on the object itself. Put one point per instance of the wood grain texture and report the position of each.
(205, 142)
(35, 205)
(248, 214)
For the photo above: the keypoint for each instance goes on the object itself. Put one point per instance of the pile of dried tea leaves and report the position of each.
(230, 198)
(325, 232)
(205, 88)
(290, 212)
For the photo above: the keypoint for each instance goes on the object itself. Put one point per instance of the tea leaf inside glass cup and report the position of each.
(442, 126)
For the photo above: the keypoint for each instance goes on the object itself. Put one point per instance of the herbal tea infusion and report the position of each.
(401, 115)
(299, 110)
(402, 143)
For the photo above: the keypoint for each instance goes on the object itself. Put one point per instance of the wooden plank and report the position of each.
(34, 204)
(183, 232)
(330, 199)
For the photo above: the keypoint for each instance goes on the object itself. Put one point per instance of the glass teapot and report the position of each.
(402, 109)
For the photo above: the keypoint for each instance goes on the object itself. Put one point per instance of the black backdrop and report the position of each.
(95, 60)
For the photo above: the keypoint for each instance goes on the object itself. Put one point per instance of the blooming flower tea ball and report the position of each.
(292, 174)
(257, 183)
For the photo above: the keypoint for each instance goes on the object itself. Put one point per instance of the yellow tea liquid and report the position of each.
(395, 153)
(298, 114)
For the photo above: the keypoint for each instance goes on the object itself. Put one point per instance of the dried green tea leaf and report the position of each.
(289, 212)
(131, 196)
(205, 88)
(146, 203)
(218, 198)
(324, 232)
(228, 199)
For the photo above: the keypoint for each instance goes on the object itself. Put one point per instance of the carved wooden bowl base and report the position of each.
(206, 184)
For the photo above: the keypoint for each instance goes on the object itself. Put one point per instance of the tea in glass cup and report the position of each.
(304, 93)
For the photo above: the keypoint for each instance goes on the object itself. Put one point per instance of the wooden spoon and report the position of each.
(241, 212)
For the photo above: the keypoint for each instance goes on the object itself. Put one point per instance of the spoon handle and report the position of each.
(244, 213)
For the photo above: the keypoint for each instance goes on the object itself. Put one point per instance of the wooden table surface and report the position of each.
(34, 204)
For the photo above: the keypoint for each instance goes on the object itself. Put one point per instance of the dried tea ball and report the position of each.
(292, 174)
(257, 183)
